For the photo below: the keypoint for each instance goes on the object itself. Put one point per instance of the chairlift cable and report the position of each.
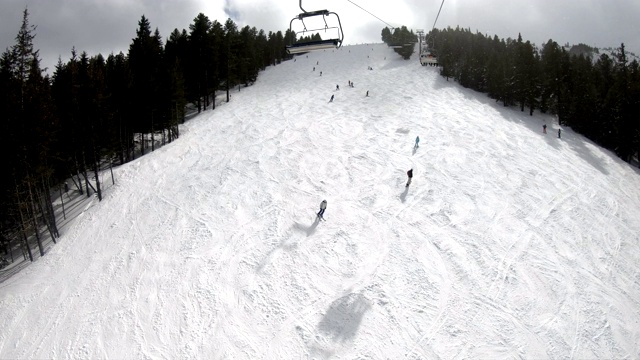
(437, 16)
(368, 12)
(434, 24)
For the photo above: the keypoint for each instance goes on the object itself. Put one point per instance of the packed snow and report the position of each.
(509, 243)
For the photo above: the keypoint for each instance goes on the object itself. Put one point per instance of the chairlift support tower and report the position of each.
(420, 33)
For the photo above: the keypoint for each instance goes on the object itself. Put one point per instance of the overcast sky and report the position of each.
(108, 26)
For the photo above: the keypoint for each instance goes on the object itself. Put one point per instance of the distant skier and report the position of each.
(320, 73)
(314, 68)
(559, 131)
(410, 175)
(367, 93)
(331, 100)
(337, 87)
(323, 207)
(417, 142)
(544, 128)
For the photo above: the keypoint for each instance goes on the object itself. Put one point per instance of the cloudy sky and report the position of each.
(106, 26)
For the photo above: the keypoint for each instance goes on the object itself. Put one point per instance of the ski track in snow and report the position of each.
(508, 243)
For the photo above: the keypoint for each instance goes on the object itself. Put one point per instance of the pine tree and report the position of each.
(622, 112)
(550, 77)
(145, 61)
(31, 129)
(231, 57)
(200, 57)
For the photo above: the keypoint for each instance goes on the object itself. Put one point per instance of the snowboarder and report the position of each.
(410, 175)
(323, 207)
(331, 100)
(417, 142)
(559, 131)
(544, 128)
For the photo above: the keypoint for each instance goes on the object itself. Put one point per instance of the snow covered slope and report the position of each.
(509, 243)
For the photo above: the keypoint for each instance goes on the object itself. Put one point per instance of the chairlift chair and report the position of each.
(296, 48)
(427, 57)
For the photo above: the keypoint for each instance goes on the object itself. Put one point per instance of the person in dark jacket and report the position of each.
(410, 175)
(323, 207)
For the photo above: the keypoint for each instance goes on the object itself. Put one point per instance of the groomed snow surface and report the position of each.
(508, 244)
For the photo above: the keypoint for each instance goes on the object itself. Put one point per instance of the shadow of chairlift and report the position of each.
(297, 48)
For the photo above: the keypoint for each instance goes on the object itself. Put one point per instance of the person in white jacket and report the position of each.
(323, 206)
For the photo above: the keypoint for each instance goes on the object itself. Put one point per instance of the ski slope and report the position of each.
(508, 244)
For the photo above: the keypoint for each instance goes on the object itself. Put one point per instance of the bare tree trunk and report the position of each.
(86, 180)
(25, 244)
(43, 207)
(33, 207)
(113, 179)
(142, 144)
(96, 170)
(64, 214)
(79, 184)
(86, 183)
(23, 224)
(153, 140)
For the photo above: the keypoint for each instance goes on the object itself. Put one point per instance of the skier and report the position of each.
(410, 175)
(417, 142)
(323, 207)
(367, 92)
(559, 131)
(331, 100)
(337, 87)
(544, 128)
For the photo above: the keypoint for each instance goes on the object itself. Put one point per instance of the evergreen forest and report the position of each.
(96, 112)
(597, 95)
